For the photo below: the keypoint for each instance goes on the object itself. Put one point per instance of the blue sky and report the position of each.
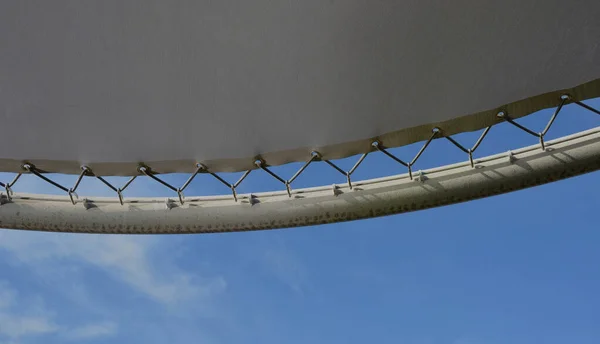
(518, 268)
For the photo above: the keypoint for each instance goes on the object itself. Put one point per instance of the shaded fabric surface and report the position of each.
(112, 84)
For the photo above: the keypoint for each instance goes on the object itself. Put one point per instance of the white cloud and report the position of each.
(15, 326)
(125, 257)
(93, 331)
(287, 268)
(28, 319)
(27, 316)
(7, 295)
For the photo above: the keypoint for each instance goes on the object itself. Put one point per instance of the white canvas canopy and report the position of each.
(114, 83)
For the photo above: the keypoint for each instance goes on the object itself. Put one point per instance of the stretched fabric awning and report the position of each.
(112, 84)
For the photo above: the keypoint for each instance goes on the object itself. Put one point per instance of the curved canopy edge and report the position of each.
(471, 122)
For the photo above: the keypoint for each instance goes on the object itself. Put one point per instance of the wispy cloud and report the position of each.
(7, 295)
(145, 265)
(92, 331)
(128, 258)
(285, 266)
(22, 319)
(15, 326)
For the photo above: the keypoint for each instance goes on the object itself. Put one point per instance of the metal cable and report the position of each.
(261, 164)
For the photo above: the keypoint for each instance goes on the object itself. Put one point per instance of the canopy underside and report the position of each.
(112, 84)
